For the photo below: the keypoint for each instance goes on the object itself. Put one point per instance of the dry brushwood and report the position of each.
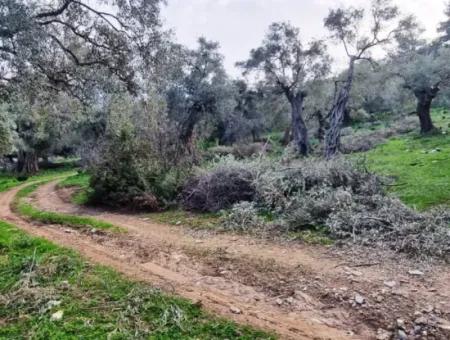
(386, 222)
(218, 189)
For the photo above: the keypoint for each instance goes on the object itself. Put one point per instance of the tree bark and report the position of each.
(424, 101)
(321, 128)
(27, 163)
(187, 128)
(333, 136)
(299, 129)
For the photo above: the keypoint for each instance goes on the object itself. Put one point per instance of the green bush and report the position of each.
(130, 174)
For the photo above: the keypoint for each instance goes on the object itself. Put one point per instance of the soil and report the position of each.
(295, 290)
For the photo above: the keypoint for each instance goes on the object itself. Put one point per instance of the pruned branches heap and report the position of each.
(386, 222)
(218, 189)
(342, 197)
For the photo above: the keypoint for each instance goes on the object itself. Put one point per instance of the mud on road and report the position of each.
(294, 290)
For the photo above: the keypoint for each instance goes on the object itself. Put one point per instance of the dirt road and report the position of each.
(294, 290)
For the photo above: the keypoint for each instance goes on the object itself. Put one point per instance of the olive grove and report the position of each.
(104, 81)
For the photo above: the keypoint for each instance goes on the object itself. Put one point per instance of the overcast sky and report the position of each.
(239, 25)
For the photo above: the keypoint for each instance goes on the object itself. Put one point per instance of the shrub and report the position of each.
(359, 115)
(221, 150)
(218, 189)
(129, 175)
(249, 150)
(141, 162)
(120, 178)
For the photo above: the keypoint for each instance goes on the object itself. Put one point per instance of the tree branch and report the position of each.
(103, 15)
(74, 56)
(85, 37)
(55, 12)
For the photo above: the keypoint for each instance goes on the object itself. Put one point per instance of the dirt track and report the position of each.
(297, 291)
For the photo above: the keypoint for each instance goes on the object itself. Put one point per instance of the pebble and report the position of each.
(290, 300)
(416, 273)
(421, 321)
(402, 335)
(359, 299)
(57, 316)
(379, 298)
(390, 284)
(235, 310)
(401, 323)
(417, 329)
(383, 334)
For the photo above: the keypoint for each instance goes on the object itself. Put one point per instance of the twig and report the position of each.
(371, 264)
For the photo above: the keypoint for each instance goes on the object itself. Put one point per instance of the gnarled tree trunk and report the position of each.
(333, 136)
(424, 99)
(299, 129)
(27, 162)
(188, 126)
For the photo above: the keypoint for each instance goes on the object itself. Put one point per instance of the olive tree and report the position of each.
(63, 39)
(288, 65)
(425, 73)
(345, 26)
(43, 124)
(200, 88)
(423, 68)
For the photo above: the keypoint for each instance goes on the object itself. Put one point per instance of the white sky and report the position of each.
(240, 25)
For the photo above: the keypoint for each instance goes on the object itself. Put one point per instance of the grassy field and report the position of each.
(420, 165)
(48, 292)
(28, 211)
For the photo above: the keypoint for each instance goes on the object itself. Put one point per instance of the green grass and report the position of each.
(419, 164)
(8, 181)
(27, 210)
(79, 181)
(38, 279)
(187, 219)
